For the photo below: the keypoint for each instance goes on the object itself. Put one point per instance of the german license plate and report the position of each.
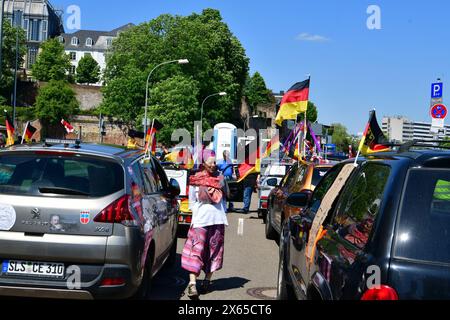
(37, 269)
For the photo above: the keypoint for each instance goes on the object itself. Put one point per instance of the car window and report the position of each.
(360, 204)
(424, 223)
(137, 176)
(29, 174)
(160, 175)
(151, 183)
(297, 185)
(318, 174)
(323, 187)
(293, 174)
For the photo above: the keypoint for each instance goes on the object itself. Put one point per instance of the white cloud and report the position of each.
(311, 37)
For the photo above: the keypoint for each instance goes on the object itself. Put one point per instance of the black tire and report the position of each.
(271, 233)
(143, 293)
(284, 291)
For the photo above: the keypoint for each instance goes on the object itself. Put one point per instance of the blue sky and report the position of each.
(353, 69)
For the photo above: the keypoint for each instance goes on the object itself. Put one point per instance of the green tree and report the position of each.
(52, 63)
(88, 70)
(341, 138)
(217, 63)
(256, 92)
(9, 58)
(312, 113)
(54, 102)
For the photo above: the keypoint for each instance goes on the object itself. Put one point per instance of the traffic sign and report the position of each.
(437, 90)
(439, 111)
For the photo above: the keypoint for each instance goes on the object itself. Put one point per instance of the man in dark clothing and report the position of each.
(249, 184)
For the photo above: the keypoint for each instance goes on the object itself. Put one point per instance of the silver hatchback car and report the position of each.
(83, 221)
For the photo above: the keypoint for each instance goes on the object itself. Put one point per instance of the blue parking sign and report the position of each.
(437, 90)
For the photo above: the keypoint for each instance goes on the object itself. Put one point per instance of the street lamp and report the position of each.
(210, 96)
(1, 37)
(180, 61)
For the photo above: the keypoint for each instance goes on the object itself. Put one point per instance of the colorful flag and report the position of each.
(150, 143)
(28, 133)
(294, 102)
(374, 139)
(273, 146)
(68, 126)
(252, 163)
(10, 130)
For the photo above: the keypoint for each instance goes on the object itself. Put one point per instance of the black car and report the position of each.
(376, 231)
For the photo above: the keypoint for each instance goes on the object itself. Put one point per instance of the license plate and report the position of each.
(37, 269)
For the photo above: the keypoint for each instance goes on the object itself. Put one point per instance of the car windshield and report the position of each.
(39, 175)
(423, 233)
(318, 174)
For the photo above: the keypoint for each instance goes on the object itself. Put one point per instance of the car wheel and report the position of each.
(284, 291)
(143, 293)
(270, 231)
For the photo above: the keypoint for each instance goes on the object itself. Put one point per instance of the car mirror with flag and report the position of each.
(28, 133)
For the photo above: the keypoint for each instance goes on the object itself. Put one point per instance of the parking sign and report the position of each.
(437, 90)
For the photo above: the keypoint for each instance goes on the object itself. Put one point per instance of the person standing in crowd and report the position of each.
(249, 184)
(226, 167)
(204, 247)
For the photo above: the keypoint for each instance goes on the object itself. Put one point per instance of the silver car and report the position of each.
(83, 221)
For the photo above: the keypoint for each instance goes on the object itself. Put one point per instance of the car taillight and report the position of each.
(384, 293)
(188, 219)
(110, 282)
(116, 212)
(264, 198)
(264, 205)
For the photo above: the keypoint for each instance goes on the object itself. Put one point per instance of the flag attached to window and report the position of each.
(9, 130)
(150, 143)
(29, 132)
(68, 126)
(373, 139)
(294, 102)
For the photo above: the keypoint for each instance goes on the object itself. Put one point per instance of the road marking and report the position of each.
(241, 227)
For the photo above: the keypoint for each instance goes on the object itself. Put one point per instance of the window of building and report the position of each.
(73, 69)
(32, 54)
(74, 41)
(18, 18)
(44, 30)
(73, 56)
(35, 30)
(89, 42)
(61, 39)
(109, 42)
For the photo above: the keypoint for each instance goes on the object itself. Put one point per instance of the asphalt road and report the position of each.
(250, 266)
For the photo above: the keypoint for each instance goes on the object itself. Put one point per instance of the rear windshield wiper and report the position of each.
(64, 191)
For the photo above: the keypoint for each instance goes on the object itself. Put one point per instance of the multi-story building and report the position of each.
(39, 19)
(90, 42)
(401, 129)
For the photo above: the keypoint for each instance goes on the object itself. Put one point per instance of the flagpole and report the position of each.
(24, 132)
(361, 144)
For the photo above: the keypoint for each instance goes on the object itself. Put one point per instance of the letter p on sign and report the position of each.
(436, 90)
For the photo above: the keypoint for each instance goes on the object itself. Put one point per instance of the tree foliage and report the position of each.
(52, 63)
(312, 113)
(217, 62)
(9, 57)
(54, 102)
(256, 91)
(88, 70)
(341, 138)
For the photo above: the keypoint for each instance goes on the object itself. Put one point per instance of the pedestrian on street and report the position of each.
(204, 247)
(226, 167)
(249, 184)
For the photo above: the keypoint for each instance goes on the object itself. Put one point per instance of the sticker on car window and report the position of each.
(7, 217)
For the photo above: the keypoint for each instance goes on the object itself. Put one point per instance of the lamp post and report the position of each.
(210, 96)
(180, 61)
(1, 38)
(17, 24)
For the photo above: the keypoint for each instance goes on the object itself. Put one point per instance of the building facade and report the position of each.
(89, 42)
(400, 129)
(39, 19)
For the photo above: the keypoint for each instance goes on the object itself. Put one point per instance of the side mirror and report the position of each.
(298, 200)
(272, 182)
(174, 188)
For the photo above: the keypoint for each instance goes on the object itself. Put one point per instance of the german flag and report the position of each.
(150, 143)
(29, 132)
(273, 146)
(374, 139)
(252, 163)
(294, 102)
(10, 130)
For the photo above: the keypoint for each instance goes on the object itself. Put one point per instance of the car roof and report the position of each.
(118, 152)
